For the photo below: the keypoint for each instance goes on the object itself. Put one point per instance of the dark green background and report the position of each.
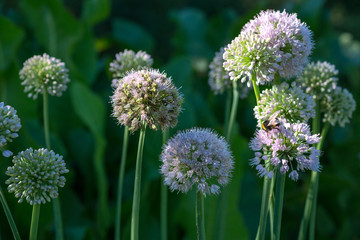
(182, 37)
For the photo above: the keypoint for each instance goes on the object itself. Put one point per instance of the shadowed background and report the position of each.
(182, 37)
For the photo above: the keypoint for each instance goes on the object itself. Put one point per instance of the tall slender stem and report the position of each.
(227, 109)
(46, 120)
(137, 186)
(121, 184)
(9, 216)
(267, 189)
(316, 186)
(256, 90)
(279, 199)
(264, 208)
(311, 196)
(223, 199)
(34, 222)
(233, 110)
(55, 201)
(199, 210)
(271, 206)
(164, 200)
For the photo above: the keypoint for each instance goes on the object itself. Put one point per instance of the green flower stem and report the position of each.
(264, 208)
(223, 199)
(34, 222)
(233, 111)
(256, 90)
(315, 179)
(163, 198)
(56, 201)
(311, 198)
(279, 199)
(227, 109)
(267, 187)
(121, 184)
(200, 216)
(46, 120)
(137, 186)
(271, 206)
(9, 216)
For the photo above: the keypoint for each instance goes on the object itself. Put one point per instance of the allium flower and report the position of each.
(44, 73)
(287, 148)
(146, 96)
(338, 107)
(196, 157)
(273, 43)
(36, 175)
(9, 126)
(318, 79)
(126, 61)
(289, 101)
(219, 79)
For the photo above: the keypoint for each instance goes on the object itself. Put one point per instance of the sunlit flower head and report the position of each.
(196, 157)
(273, 44)
(287, 148)
(36, 175)
(318, 79)
(289, 102)
(44, 73)
(126, 61)
(9, 127)
(146, 96)
(338, 107)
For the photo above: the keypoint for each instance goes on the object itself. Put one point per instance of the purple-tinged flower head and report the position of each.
(318, 79)
(219, 79)
(44, 73)
(146, 96)
(9, 127)
(338, 107)
(289, 102)
(197, 157)
(273, 44)
(287, 147)
(36, 175)
(126, 61)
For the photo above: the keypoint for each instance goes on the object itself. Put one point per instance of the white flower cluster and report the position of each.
(274, 44)
(289, 102)
(9, 126)
(196, 157)
(44, 73)
(36, 175)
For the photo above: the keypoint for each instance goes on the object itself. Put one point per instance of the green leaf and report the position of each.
(190, 36)
(54, 27)
(95, 11)
(10, 38)
(89, 107)
(132, 35)
(84, 59)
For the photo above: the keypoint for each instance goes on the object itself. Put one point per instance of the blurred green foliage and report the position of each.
(182, 37)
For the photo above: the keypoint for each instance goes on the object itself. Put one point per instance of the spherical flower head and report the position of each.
(318, 79)
(36, 175)
(146, 96)
(196, 157)
(219, 79)
(338, 107)
(285, 148)
(44, 73)
(9, 127)
(273, 44)
(286, 101)
(126, 61)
